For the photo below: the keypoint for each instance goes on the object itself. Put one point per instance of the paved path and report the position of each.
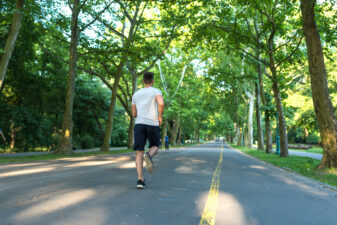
(306, 154)
(99, 190)
(20, 154)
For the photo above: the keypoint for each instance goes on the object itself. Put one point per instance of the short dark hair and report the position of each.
(148, 77)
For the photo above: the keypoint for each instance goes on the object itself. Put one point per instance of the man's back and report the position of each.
(146, 103)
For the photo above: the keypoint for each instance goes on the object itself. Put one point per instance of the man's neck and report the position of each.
(148, 85)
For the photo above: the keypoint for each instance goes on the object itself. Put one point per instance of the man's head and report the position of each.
(148, 78)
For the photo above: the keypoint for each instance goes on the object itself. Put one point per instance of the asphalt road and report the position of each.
(102, 190)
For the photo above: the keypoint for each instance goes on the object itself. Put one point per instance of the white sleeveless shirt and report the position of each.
(147, 106)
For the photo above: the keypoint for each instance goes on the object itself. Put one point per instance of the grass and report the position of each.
(59, 156)
(301, 165)
(51, 155)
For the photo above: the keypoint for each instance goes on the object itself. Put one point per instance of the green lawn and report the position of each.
(301, 165)
(79, 154)
(59, 156)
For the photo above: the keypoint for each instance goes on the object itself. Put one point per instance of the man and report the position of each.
(147, 109)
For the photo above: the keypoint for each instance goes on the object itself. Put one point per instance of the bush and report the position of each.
(313, 138)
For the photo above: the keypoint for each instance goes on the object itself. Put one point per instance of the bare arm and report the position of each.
(160, 102)
(134, 111)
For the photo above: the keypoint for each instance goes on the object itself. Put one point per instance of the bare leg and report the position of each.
(139, 164)
(153, 150)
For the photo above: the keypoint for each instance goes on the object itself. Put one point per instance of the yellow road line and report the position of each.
(208, 216)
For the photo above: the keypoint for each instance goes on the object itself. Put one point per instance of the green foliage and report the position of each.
(207, 38)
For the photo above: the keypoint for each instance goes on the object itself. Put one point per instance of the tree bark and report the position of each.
(197, 135)
(237, 133)
(163, 133)
(11, 39)
(239, 140)
(131, 133)
(179, 136)
(246, 138)
(175, 129)
(258, 114)
(281, 119)
(132, 120)
(320, 93)
(269, 140)
(13, 135)
(65, 145)
(277, 96)
(106, 143)
(250, 120)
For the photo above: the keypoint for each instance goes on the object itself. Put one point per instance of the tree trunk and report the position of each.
(239, 140)
(197, 135)
(175, 129)
(131, 133)
(259, 94)
(320, 93)
(246, 138)
(13, 135)
(179, 136)
(237, 133)
(258, 117)
(281, 119)
(65, 145)
(11, 39)
(106, 143)
(269, 140)
(163, 133)
(250, 120)
(277, 96)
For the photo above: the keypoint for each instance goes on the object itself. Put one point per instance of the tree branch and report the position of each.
(291, 54)
(267, 74)
(126, 106)
(113, 30)
(155, 61)
(83, 4)
(251, 55)
(97, 16)
(126, 13)
(70, 5)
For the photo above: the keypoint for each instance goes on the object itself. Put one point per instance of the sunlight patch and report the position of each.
(55, 204)
(26, 172)
(258, 167)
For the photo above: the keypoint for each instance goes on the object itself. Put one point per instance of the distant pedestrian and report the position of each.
(167, 145)
(2, 135)
(147, 109)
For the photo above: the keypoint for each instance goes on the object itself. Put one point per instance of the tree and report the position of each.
(324, 110)
(11, 39)
(276, 50)
(65, 145)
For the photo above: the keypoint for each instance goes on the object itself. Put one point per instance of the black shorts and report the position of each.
(144, 132)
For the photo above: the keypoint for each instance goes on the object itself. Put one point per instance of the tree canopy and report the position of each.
(75, 66)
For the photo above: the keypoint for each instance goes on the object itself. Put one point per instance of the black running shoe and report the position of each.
(141, 184)
(149, 163)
